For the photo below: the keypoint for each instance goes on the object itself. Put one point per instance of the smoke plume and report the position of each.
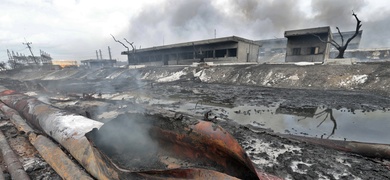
(172, 21)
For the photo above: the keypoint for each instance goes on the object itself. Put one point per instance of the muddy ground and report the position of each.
(269, 151)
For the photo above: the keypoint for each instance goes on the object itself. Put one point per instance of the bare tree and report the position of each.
(120, 43)
(133, 47)
(128, 49)
(342, 47)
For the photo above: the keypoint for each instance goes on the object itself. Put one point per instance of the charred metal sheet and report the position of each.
(185, 149)
(157, 146)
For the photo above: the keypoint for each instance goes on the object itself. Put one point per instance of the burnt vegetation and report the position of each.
(343, 46)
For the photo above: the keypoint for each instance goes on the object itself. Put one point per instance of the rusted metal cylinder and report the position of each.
(14, 166)
(15, 118)
(67, 129)
(52, 154)
(57, 159)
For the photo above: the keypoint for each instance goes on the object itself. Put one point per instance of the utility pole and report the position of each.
(97, 55)
(29, 47)
(109, 52)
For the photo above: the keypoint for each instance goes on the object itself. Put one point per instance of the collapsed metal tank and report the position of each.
(140, 146)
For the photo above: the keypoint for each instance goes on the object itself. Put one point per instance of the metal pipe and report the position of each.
(67, 129)
(57, 159)
(14, 166)
(52, 154)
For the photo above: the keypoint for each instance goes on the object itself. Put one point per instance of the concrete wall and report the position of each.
(247, 52)
(305, 42)
(365, 54)
(221, 52)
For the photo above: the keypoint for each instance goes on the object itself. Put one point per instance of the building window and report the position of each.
(312, 50)
(220, 53)
(209, 54)
(232, 52)
(296, 51)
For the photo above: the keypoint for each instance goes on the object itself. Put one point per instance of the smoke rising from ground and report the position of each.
(172, 21)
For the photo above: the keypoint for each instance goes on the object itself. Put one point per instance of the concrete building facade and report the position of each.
(218, 50)
(305, 45)
(98, 63)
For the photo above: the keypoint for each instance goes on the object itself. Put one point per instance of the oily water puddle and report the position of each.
(310, 121)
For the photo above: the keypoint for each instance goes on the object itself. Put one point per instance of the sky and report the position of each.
(75, 29)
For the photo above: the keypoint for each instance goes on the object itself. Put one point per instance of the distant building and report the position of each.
(272, 50)
(98, 63)
(272, 46)
(19, 59)
(305, 45)
(218, 50)
(65, 63)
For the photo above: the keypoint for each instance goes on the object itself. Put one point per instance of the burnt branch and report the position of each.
(342, 37)
(341, 48)
(333, 42)
(358, 26)
(120, 43)
(131, 44)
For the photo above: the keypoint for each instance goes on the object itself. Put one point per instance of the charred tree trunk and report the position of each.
(342, 47)
(341, 52)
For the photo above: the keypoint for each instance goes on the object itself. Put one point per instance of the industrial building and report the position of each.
(305, 44)
(217, 50)
(298, 45)
(98, 63)
(274, 50)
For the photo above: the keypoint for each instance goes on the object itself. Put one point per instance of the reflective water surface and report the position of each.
(320, 122)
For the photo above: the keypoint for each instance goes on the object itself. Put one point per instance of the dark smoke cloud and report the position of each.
(337, 13)
(179, 21)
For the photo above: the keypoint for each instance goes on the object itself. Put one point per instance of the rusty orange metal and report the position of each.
(57, 159)
(52, 154)
(185, 148)
(67, 129)
(208, 144)
(7, 92)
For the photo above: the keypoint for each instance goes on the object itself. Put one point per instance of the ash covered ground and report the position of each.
(103, 99)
